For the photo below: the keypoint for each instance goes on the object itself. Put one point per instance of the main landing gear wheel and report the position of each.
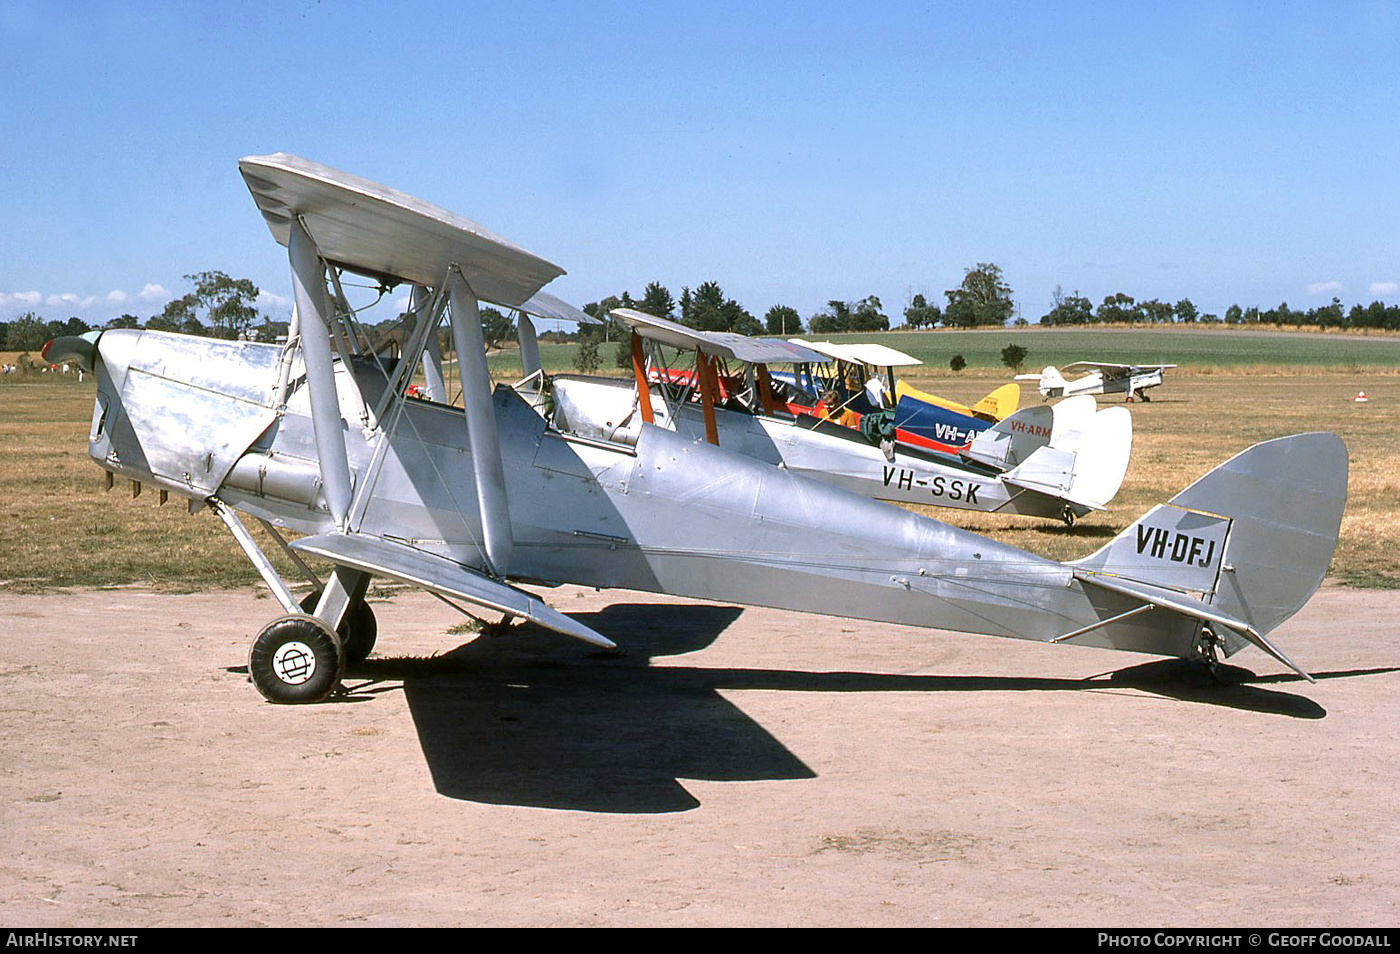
(357, 630)
(296, 659)
(1068, 516)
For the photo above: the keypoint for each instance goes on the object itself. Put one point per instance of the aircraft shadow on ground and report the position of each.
(532, 718)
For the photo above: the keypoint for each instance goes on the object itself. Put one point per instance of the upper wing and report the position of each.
(722, 343)
(1116, 369)
(877, 355)
(545, 305)
(386, 234)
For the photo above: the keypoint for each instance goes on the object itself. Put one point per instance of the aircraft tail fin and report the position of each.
(1012, 440)
(999, 404)
(1068, 450)
(1243, 548)
(1051, 379)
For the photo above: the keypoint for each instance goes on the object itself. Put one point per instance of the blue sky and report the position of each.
(793, 152)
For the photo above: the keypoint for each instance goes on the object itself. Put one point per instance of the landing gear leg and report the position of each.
(1207, 652)
(1068, 516)
(300, 657)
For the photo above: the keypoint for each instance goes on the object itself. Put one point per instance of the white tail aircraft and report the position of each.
(1103, 378)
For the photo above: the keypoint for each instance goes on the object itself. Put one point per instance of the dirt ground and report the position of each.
(734, 767)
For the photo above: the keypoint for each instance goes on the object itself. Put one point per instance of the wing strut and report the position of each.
(707, 378)
(481, 422)
(311, 319)
(436, 387)
(639, 374)
(529, 345)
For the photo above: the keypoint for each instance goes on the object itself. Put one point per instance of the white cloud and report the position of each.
(69, 300)
(153, 293)
(1325, 288)
(116, 296)
(1384, 288)
(274, 304)
(20, 299)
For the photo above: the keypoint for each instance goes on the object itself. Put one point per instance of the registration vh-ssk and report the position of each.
(330, 440)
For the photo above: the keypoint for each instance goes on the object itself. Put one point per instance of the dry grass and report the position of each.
(60, 529)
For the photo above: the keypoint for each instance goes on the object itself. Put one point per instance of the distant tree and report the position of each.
(868, 316)
(228, 302)
(982, 300)
(709, 310)
(687, 305)
(1234, 315)
(1186, 311)
(957, 362)
(1069, 310)
(497, 327)
(179, 316)
(600, 309)
(656, 300)
(1328, 316)
(586, 359)
(28, 332)
(124, 321)
(839, 316)
(920, 314)
(835, 319)
(1117, 308)
(1013, 356)
(782, 320)
(1157, 312)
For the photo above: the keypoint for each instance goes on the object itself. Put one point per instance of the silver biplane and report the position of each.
(319, 437)
(1059, 462)
(1132, 380)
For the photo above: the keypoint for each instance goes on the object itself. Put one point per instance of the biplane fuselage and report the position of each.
(658, 511)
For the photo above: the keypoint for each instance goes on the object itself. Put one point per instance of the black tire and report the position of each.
(358, 629)
(296, 659)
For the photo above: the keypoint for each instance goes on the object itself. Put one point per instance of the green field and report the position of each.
(61, 529)
(1194, 351)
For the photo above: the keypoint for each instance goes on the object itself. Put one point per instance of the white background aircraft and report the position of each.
(1102, 378)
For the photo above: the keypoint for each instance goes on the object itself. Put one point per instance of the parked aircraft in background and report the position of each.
(1102, 378)
(1059, 462)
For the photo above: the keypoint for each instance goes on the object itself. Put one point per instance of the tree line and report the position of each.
(218, 307)
(224, 307)
(1120, 308)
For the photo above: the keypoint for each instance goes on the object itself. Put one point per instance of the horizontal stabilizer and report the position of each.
(1188, 606)
(437, 574)
(1049, 470)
